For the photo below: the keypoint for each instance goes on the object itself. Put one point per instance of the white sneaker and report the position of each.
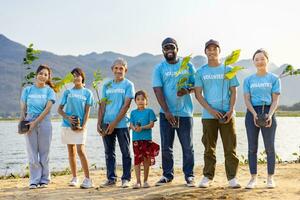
(251, 184)
(233, 183)
(74, 182)
(32, 186)
(125, 184)
(271, 183)
(205, 182)
(86, 183)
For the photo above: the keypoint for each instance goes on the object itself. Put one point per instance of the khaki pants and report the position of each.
(209, 140)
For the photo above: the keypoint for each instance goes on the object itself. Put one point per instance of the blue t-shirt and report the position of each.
(144, 117)
(210, 79)
(261, 88)
(37, 98)
(164, 75)
(117, 92)
(74, 101)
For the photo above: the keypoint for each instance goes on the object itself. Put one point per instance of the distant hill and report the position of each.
(140, 72)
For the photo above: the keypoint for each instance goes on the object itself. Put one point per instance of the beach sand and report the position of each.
(287, 179)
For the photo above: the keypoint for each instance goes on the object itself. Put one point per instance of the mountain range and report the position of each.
(139, 71)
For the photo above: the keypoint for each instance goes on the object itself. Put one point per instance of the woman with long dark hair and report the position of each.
(36, 103)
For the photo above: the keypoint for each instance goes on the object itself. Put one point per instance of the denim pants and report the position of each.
(268, 135)
(38, 147)
(185, 135)
(211, 127)
(109, 142)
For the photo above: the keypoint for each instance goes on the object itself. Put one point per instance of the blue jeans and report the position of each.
(268, 137)
(185, 135)
(109, 142)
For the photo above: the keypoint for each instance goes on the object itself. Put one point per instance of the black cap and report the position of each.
(210, 42)
(169, 41)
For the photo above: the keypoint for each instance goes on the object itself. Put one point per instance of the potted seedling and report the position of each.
(262, 117)
(97, 80)
(182, 85)
(231, 59)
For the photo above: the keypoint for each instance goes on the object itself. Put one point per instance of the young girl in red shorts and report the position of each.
(141, 122)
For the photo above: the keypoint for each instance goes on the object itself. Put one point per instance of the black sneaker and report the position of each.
(190, 182)
(108, 183)
(163, 180)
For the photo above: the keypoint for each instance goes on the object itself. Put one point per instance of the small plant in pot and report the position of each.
(97, 80)
(231, 59)
(182, 86)
(262, 117)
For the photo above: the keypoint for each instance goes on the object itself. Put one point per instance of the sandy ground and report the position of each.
(287, 180)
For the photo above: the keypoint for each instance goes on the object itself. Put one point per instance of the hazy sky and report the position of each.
(132, 27)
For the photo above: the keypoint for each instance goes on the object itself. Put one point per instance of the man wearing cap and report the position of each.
(218, 108)
(175, 106)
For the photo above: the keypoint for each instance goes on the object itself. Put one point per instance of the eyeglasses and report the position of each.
(169, 47)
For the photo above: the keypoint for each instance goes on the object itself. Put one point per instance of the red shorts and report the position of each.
(145, 149)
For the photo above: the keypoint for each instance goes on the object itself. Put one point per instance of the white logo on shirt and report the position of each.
(37, 96)
(173, 74)
(113, 91)
(261, 85)
(78, 96)
(213, 76)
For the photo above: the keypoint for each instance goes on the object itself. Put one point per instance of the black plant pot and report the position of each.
(23, 126)
(224, 119)
(76, 125)
(176, 124)
(262, 120)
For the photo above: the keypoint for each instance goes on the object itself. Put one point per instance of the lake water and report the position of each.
(13, 158)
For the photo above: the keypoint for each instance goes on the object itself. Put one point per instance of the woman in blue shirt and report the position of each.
(76, 103)
(261, 95)
(36, 103)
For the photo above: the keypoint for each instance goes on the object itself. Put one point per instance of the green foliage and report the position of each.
(106, 100)
(182, 82)
(30, 56)
(243, 160)
(289, 70)
(184, 65)
(61, 82)
(97, 79)
(233, 57)
(297, 160)
(232, 73)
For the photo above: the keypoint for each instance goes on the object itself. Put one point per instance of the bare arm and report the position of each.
(275, 100)
(162, 102)
(86, 115)
(250, 107)
(60, 111)
(23, 111)
(232, 102)
(101, 111)
(204, 104)
(120, 116)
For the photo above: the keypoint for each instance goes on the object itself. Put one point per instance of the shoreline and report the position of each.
(238, 114)
(287, 179)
